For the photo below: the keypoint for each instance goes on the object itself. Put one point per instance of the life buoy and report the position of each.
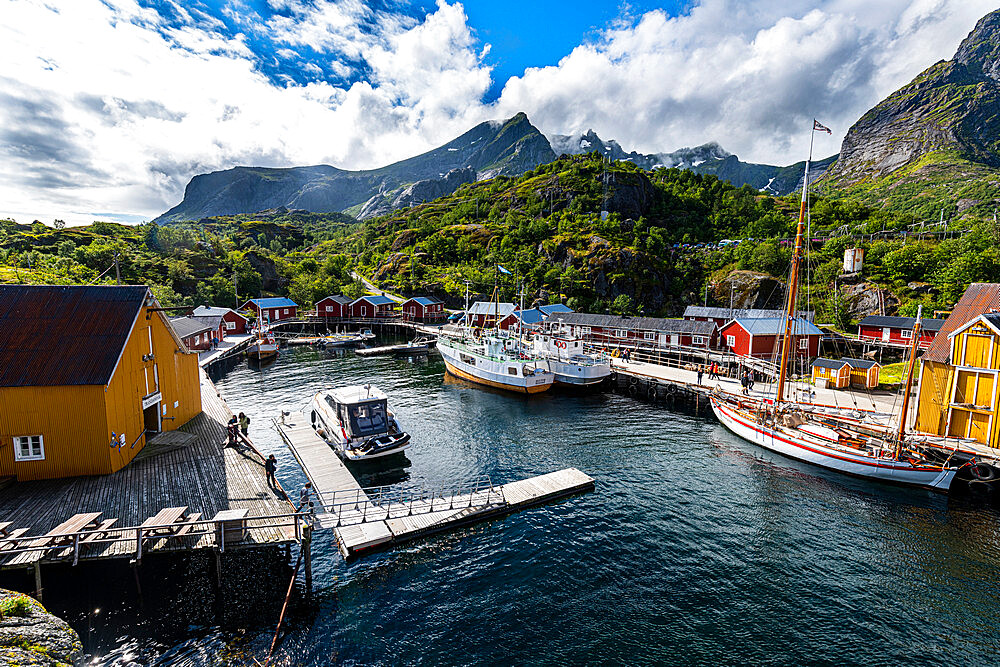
(983, 472)
(561, 344)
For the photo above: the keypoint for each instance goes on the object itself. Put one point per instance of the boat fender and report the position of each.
(633, 390)
(983, 472)
(652, 393)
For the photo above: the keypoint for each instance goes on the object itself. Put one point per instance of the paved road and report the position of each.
(374, 289)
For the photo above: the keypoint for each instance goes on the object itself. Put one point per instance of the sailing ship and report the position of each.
(851, 443)
(263, 347)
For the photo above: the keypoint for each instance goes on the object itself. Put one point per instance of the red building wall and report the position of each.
(873, 333)
(330, 308)
(199, 341)
(239, 324)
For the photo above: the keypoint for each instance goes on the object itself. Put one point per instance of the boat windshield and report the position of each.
(366, 419)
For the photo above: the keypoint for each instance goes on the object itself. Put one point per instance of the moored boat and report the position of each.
(495, 362)
(264, 346)
(357, 423)
(570, 365)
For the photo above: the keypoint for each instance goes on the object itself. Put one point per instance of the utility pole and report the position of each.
(118, 275)
(236, 290)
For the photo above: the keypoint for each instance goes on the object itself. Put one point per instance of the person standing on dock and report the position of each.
(244, 424)
(714, 372)
(745, 381)
(701, 370)
(232, 432)
(270, 467)
(305, 496)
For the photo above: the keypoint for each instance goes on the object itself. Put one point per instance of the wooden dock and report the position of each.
(363, 521)
(401, 349)
(187, 468)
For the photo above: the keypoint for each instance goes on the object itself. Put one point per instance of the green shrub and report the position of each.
(17, 606)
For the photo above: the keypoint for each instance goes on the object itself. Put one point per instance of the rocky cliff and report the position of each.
(493, 148)
(936, 139)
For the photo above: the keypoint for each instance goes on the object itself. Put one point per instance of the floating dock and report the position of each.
(407, 349)
(368, 519)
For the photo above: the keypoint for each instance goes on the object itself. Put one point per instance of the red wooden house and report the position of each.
(372, 306)
(898, 330)
(487, 313)
(761, 337)
(273, 309)
(530, 319)
(615, 330)
(423, 309)
(198, 332)
(333, 306)
(233, 323)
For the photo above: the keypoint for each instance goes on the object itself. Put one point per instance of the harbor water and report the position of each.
(696, 548)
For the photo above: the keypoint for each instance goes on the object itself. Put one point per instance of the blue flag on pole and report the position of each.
(503, 270)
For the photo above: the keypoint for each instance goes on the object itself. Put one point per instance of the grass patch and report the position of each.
(892, 373)
(17, 606)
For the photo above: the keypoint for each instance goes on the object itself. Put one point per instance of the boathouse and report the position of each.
(761, 337)
(423, 309)
(831, 373)
(624, 330)
(372, 306)
(234, 323)
(334, 306)
(272, 309)
(197, 332)
(954, 377)
(723, 316)
(86, 372)
(898, 331)
(487, 313)
(864, 373)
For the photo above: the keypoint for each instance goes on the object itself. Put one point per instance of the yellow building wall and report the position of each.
(76, 422)
(174, 373)
(932, 397)
(71, 423)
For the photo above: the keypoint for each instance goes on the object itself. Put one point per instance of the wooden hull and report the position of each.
(794, 444)
(509, 374)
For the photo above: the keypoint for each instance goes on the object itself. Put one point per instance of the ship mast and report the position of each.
(793, 279)
(914, 340)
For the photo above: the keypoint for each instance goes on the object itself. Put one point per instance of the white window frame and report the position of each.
(230, 326)
(730, 341)
(699, 340)
(906, 333)
(285, 312)
(803, 343)
(648, 335)
(621, 333)
(584, 331)
(329, 309)
(31, 456)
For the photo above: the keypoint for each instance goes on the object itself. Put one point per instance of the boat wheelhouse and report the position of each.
(357, 423)
(496, 362)
(567, 360)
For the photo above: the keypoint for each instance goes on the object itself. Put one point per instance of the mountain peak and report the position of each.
(979, 52)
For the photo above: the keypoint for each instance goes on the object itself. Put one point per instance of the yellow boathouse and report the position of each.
(87, 373)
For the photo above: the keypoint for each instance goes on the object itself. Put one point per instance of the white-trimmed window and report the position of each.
(286, 311)
(730, 341)
(648, 335)
(28, 448)
(230, 326)
(329, 309)
(906, 333)
(803, 343)
(699, 340)
(621, 333)
(584, 331)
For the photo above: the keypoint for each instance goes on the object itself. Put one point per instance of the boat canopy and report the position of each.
(362, 409)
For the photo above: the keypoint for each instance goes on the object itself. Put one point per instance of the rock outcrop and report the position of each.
(36, 638)
(417, 193)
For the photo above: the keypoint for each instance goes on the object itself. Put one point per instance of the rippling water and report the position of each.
(695, 548)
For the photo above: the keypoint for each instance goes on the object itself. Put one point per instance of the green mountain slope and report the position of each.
(934, 143)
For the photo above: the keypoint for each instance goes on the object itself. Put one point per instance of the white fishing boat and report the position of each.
(495, 362)
(264, 346)
(568, 361)
(835, 441)
(357, 423)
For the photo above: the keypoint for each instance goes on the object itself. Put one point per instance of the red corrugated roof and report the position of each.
(64, 335)
(978, 299)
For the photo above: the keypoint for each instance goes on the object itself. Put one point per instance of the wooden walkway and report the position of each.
(183, 468)
(362, 523)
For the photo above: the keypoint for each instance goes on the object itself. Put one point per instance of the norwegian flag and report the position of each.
(817, 126)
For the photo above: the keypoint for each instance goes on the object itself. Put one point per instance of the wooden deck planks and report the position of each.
(198, 473)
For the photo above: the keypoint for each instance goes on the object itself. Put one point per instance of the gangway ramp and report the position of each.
(380, 517)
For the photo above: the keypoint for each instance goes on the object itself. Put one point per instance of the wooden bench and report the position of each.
(100, 532)
(10, 540)
(233, 524)
(164, 521)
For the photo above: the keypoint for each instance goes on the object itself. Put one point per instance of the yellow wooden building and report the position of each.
(958, 373)
(864, 373)
(832, 373)
(87, 373)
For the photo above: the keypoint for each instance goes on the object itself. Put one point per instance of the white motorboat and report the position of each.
(567, 360)
(357, 423)
(495, 362)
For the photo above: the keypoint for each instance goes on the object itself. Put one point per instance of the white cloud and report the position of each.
(749, 75)
(106, 107)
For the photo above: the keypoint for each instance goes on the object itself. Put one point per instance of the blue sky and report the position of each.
(109, 107)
